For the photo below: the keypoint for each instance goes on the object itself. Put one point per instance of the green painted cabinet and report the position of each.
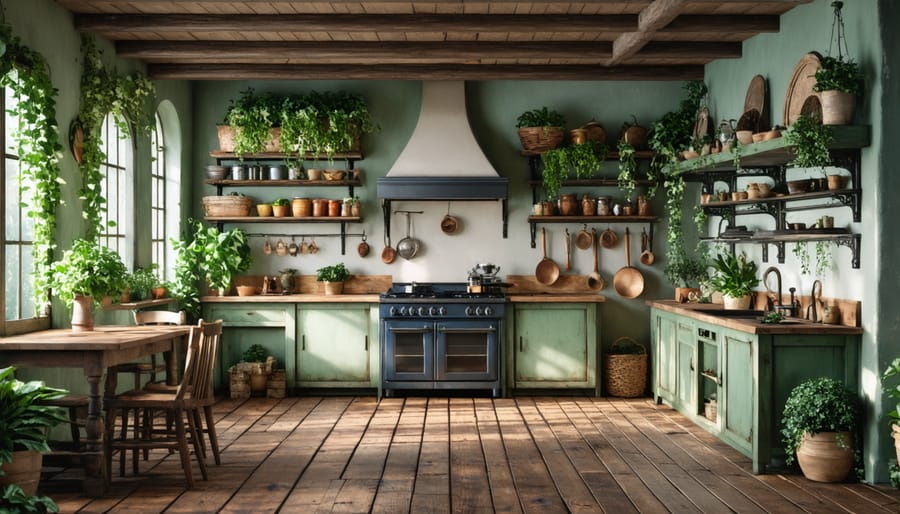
(553, 345)
(337, 345)
(272, 325)
(748, 375)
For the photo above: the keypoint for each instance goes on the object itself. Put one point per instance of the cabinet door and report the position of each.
(555, 345)
(739, 387)
(687, 375)
(664, 361)
(334, 345)
(271, 325)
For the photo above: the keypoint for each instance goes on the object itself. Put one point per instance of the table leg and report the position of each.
(95, 477)
(171, 358)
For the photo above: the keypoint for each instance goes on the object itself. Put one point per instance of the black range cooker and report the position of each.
(440, 336)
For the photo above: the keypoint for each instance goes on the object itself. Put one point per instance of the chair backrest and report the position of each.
(160, 318)
(210, 337)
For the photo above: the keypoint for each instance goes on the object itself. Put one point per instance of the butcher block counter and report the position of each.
(293, 298)
(567, 289)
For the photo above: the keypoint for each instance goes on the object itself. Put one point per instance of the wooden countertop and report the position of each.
(293, 298)
(556, 298)
(752, 325)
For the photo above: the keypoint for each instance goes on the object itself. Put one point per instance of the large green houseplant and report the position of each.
(24, 422)
(820, 416)
(83, 276)
(221, 255)
(734, 276)
(890, 381)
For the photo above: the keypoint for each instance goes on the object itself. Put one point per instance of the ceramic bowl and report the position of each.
(798, 186)
(216, 172)
(744, 137)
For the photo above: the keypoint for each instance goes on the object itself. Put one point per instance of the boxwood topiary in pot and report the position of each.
(818, 427)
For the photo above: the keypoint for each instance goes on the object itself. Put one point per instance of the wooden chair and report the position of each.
(181, 406)
(140, 369)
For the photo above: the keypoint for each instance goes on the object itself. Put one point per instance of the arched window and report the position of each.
(165, 205)
(117, 188)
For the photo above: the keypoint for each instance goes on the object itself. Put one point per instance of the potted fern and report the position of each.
(734, 277)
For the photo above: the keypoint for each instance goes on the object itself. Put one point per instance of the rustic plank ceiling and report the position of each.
(435, 40)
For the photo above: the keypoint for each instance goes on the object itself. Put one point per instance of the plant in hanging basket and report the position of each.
(540, 129)
(837, 74)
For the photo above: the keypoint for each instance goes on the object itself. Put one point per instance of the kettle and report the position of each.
(486, 269)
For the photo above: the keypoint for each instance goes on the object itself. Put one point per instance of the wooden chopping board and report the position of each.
(800, 87)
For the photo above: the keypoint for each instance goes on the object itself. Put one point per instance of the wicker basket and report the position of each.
(710, 410)
(540, 139)
(230, 205)
(625, 375)
(239, 385)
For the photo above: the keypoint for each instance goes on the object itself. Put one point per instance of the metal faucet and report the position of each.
(774, 304)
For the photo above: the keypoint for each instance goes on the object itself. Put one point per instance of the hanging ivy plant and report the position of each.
(103, 91)
(37, 144)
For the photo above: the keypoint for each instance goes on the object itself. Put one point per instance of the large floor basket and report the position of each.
(625, 374)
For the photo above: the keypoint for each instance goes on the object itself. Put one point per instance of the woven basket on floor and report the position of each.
(625, 374)
(540, 139)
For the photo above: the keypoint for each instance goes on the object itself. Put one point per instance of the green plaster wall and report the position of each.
(808, 28)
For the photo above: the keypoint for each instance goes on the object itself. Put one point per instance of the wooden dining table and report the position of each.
(94, 352)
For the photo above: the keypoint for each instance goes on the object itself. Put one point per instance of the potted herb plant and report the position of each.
(555, 169)
(281, 207)
(586, 158)
(540, 129)
(818, 426)
(24, 422)
(890, 382)
(333, 277)
(735, 277)
(838, 82)
(86, 273)
(141, 282)
(252, 119)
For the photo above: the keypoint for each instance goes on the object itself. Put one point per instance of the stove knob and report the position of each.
(488, 311)
(442, 310)
(470, 311)
(403, 310)
(432, 311)
(393, 311)
(423, 311)
(479, 311)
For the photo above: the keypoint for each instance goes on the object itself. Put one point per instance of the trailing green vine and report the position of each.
(801, 252)
(25, 72)
(103, 91)
(823, 256)
(627, 168)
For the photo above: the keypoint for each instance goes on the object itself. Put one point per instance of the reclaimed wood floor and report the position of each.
(422, 455)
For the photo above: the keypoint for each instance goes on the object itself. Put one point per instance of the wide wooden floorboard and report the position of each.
(429, 455)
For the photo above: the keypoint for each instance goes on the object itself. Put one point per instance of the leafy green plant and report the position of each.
(184, 289)
(627, 168)
(280, 202)
(890, 383)
(23, 420)
(673, 132)
(735, 275)
(817, 405)
(555, 169)
(773, 318)
(823, 256)
(103, 92)
(586, 158)
(837, 74)
(141, 281)
(221, 254)
(37, 144)
(251, 117)
(334, 273)
(324, 123)
(810, 140)
(255, 353)
(88, 269)
(801, 252)
(542, 117)
(14, 499)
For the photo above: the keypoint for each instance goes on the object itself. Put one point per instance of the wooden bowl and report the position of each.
(744, 137)
(333, 174)
(246, 290)
(798, 186)
(758, 137)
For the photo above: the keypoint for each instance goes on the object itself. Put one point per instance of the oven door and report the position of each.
(408, 350)
(467, 350)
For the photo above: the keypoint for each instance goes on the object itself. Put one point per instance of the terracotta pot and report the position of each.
(896, 434)
(837, 107)
(740, 302)
(24, 471)
(568, 205)
(319, 207)
(549, 209)
(280, 211)
(823, 459)
(314, 174)
(258, 382)
(158, 293)
(264, 210)
(835, 182)
(334, 208)
(356, 210)
(301, 207)
(83, 314)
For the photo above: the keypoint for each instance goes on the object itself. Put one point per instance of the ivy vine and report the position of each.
(103, 91)
(37, 144)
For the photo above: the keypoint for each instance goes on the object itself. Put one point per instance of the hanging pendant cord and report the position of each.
(837, 25)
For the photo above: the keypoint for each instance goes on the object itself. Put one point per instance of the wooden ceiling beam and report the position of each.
(388, 23)
(654, 17)
(722, 23)
(381, 52)
(419, 72)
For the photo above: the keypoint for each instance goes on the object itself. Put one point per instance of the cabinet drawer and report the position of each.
(250, 316)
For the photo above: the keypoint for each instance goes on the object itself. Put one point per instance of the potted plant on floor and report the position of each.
(256, 356)
(333, 277)
(540, 129)
(890, 381)
(23, 437)
(86, 273)
(734, 277)
(818, 427)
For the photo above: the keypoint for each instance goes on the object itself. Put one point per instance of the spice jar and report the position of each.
(643, 205)
(588, 206)
(334, 208)
(603, 206)
(345, 209)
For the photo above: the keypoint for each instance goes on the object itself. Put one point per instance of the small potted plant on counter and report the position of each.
(281, 207)
(333, 277)
(734, 277)
(86, 273)
(818, 427)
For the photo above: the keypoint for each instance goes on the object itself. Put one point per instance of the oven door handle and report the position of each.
(423, 330)
(446, 330)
